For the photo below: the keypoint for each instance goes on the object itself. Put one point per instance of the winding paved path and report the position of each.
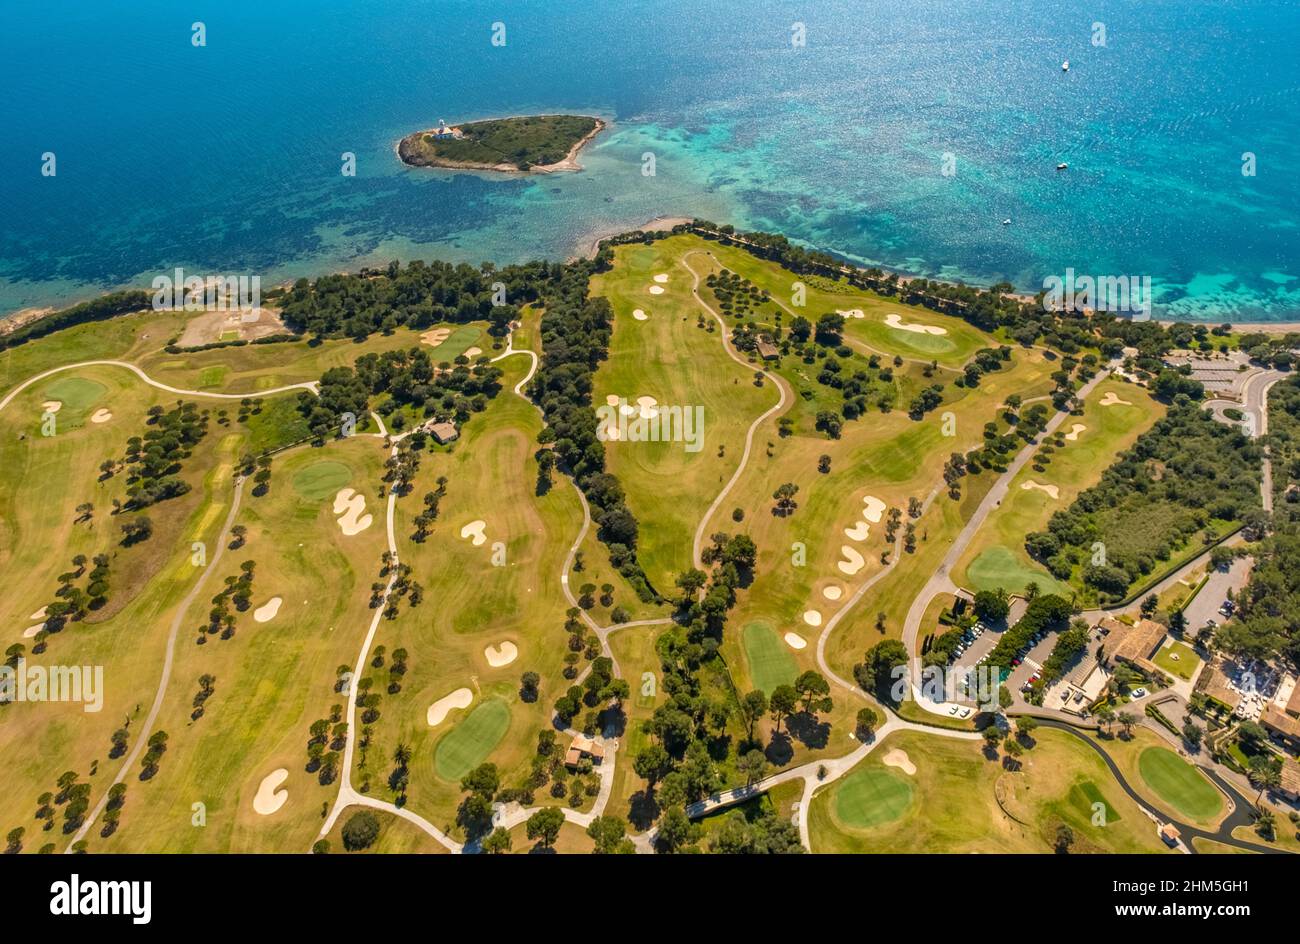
(310, 385)
(144, 731)
(941, 580)
(1238, 814)
(781, 387)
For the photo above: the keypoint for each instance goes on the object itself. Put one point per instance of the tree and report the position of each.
(993, 736)
(135, 530)
(1013, 749)
(992, 605)
(784, 496)
(675, 830)
(1127, 720)
(1265, 772)
(651, 763)
(866, 723)
(752, 707)
(1064, 839)
(497, 842)
(752, 765)
(544, 826)
(783, 703)
(529, 684)
(1025, 726)
(483, 781)
(814, 692)
(360, 831)
(609, 833)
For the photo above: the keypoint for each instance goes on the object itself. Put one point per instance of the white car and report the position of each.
(1139, 693)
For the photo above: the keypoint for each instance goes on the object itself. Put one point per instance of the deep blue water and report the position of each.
(226, 159)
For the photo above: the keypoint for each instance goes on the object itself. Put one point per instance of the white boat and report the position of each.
(1065, 66)
(1006, 222)
(1062, 166)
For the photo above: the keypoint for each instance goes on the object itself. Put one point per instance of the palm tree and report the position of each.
(402, 755)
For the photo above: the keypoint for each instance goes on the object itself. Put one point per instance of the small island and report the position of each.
(523, 144)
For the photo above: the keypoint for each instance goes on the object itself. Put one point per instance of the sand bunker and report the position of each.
(852, 563)
(611, 399)
(439, 710)
(473, 352)
(832, 592)
(503, 654)
(851, 312)
(268, 798)
(351, 506)
(435, 337)
(1074, 432)
(656, 289)
(52, 406)
(639, 315)
(1112, 399)
(898, 758)
(795, 641)
(266, 612)
(812, 618)
(39, 614)
(31, 631)
(894, 321)
(1049, 489)
(101, 416)
(474, 531)
(859, 531)
(875, 508)
(648, 407)
(661, 277)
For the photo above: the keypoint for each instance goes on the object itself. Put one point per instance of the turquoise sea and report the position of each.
(226, 158)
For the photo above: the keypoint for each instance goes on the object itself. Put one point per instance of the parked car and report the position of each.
(1139, 693)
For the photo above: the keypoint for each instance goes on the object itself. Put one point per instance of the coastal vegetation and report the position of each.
(1188, 481)
(521, 143)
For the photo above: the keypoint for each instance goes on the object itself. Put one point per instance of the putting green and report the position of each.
(77, 394)
(1179, 784)
(458, 342)
(925, 343)
(871, 797)
(770, 662)
(998, 567)
(321, 480)
(471, 741)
